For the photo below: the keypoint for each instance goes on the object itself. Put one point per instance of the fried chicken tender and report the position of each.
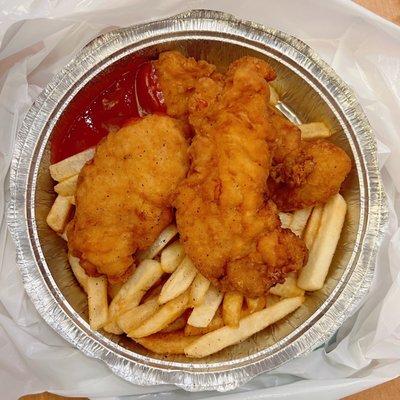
(287, 138)
(303, 173)
(178, 76)
(228, 229)
(293, 182)
(124, 195)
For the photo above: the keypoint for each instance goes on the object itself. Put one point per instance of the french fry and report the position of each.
(145, 276)
(179, 281)
(286, 219)
(231, 308)
(273, 96)
(299, 220)
(67, 187)
(314, 130)
(176, 325)
(202, 315)
(226, 336)
(198, 289)
(171, 257)
(216, 323)
(255, 304)
(166, 314)
(271, 299)
(64, 235)
(163, 239)
(313, 274)
(135, 316)
(59, 214)
(71, 200)
(113, 327)
(70, 166)
(97, 301)
(78, 271)
(113, 289)
(289, 288)
(312, 226)
(154, 291)
(167, 343)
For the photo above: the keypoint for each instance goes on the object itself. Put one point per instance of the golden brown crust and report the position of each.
(303, 173)
(310, 176)
(178, 76)
(167, 343)
(222, 214)
(123, 197)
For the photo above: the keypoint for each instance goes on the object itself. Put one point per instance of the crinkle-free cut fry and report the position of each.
(314, 130)
(167, 343)
(72, 200)
(172, 256)
(312, 276)
(198, 289)
(113, 289)
(59, 214)
(179, 281)
(166, 314)
(202, 315)
(70, 166)
(216, 323)
(63, 235)
(67, 187)
(232, 308)
(163, 239)
(113, 327)
(78, 271)
(145, 276)
(176, 325)
(312, 226)
(288, 288)
(299, 220)
(135, 316)
(273, 96)
(97, 301)
(255, 304)
(286, 219)
(217, 340)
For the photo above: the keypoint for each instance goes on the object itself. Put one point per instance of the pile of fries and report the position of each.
(167, 306)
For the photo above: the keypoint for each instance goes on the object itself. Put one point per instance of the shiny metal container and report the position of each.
(307, 86)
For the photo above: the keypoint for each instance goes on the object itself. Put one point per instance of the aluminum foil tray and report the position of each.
(310, 91)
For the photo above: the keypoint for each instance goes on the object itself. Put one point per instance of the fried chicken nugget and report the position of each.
(310, 176)
(303, 173)
(124, 195)
(178, 76)
(228, 229)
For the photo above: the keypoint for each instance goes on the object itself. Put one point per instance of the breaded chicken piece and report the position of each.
(178, 76)
(228, 229)
(309, 177)
(303, 173)
(287, 136)
(124, 195)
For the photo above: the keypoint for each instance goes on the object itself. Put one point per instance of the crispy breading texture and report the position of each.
(228, 229)
(309, 176)
(178, 76)
(123, 197)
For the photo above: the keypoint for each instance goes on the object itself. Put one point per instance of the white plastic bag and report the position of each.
(39, 37)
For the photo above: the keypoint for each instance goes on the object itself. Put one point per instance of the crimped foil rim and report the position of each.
(350, 290)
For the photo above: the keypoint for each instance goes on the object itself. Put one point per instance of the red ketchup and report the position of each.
(124, 92)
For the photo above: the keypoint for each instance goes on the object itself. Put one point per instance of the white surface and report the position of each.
(39, 37)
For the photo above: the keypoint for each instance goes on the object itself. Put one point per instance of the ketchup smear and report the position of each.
(126, 91)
